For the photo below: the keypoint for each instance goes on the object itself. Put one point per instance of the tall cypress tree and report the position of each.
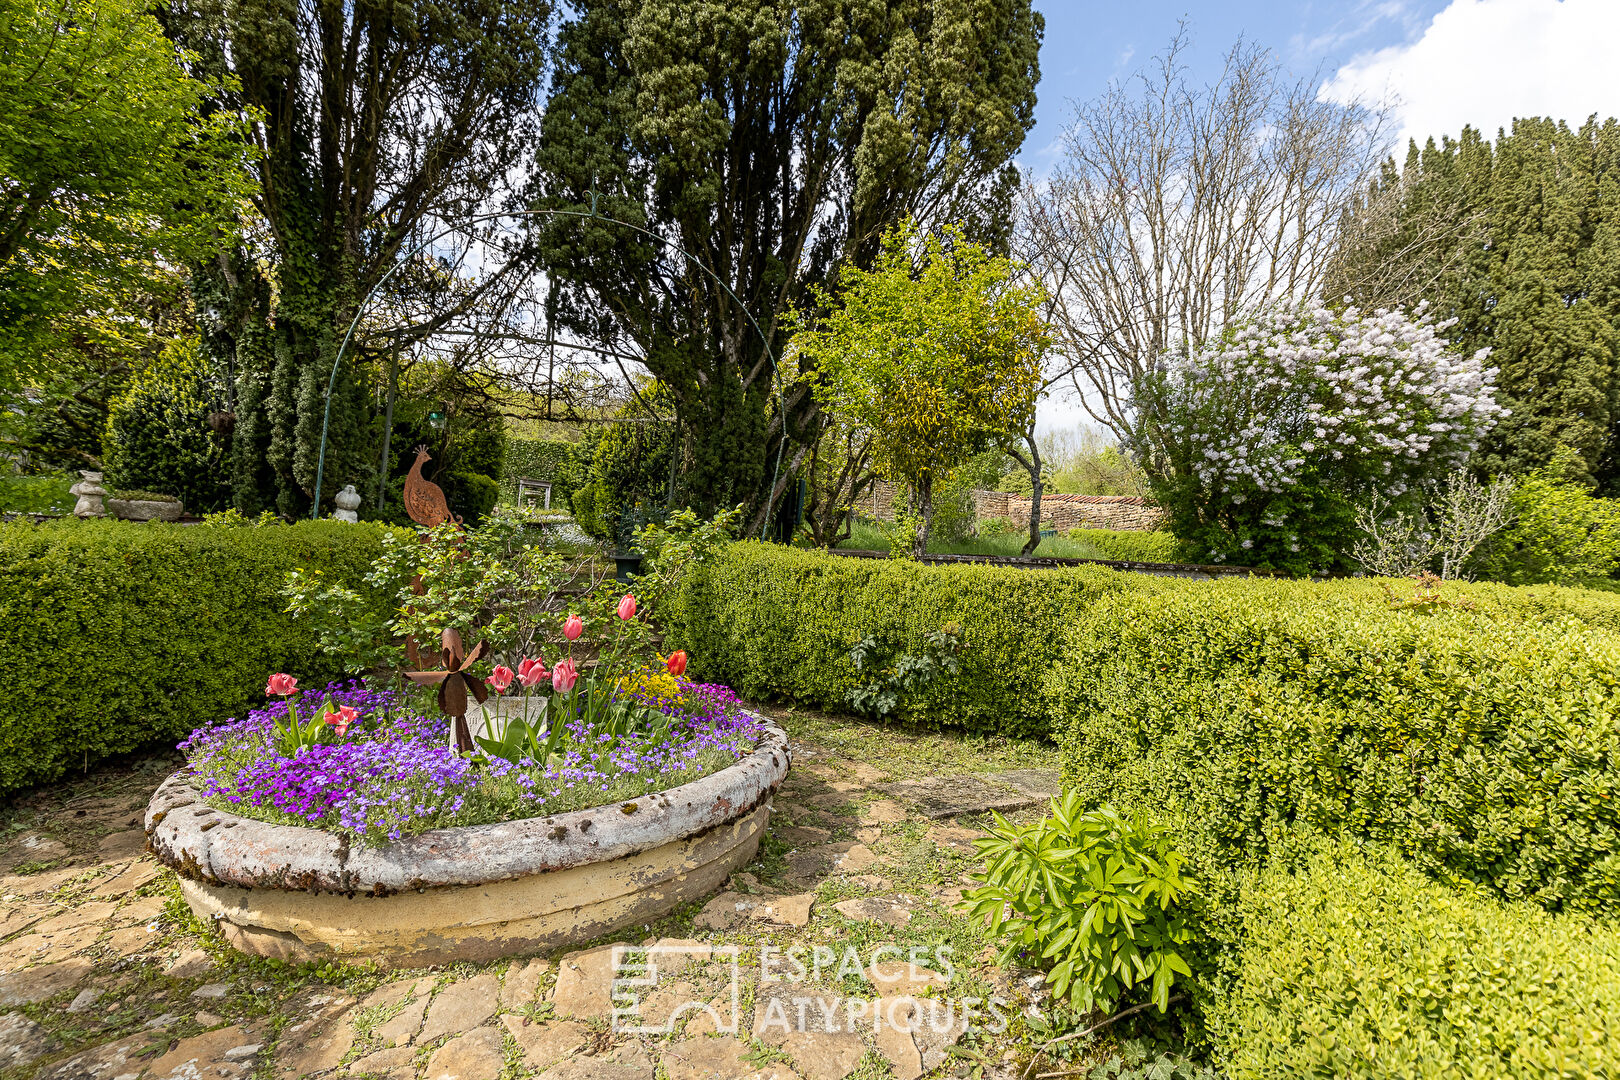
(1537, 280)
(771, 139)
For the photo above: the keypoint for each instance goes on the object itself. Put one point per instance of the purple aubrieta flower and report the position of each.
(396, 774)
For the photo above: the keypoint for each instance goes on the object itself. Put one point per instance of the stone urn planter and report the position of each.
(472, 893)
(146, 509)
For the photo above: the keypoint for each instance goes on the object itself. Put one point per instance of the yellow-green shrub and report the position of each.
(1353, 969)
(1133, 545)
(116, 635)
(1483, 744)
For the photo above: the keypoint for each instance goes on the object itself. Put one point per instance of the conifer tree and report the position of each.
(1534, 276)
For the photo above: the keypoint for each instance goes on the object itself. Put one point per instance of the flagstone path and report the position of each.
(105, 975)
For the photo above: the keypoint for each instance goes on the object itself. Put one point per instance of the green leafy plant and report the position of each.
(157, 437)
(1560, 532)
(896, 682)
(1098, 898)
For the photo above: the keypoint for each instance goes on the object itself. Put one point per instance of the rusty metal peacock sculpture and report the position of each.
(424, 500)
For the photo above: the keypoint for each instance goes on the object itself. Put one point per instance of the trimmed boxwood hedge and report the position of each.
(117, 635)
(1483, 744)
(1355, 966)
(777, 622)
(1133, 545)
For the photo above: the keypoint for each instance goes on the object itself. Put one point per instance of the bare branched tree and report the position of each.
(1176, 207)
(1459, 515)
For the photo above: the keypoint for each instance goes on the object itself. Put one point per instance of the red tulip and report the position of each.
(342, 718)
(627, 607)
(574, 627)
(564, 675)
(531, 672)
(500, 678)
(281, 686)
(676, 663)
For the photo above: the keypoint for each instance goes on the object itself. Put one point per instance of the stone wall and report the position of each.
(1060, 511)
(1090, 512)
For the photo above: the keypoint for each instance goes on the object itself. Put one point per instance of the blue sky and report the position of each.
(1436, 64)
(1447, 61)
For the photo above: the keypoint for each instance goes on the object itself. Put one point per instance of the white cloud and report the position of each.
(1483, 62)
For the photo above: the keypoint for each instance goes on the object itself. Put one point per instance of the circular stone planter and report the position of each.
(146, 509)
(472, 893)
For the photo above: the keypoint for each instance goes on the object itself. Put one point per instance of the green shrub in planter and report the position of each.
(1483, 743)
(1357, 968)
(117, 636)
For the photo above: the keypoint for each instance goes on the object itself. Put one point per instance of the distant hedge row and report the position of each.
(538, 459)
(116, 635)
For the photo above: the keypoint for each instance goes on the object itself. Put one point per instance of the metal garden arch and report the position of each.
(592, 215)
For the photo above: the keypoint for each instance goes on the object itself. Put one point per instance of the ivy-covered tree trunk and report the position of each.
(372, 123)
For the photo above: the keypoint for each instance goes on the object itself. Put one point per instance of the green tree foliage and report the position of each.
(108, 171)
(622, 472)
(1537, 279)
(374, 123)
(158, 438)
(935, 351)
(774, 140)
(1559, 532)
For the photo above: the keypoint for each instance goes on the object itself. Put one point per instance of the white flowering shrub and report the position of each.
(1262, 440)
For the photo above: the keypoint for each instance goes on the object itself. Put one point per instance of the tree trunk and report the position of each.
(1031, 464)
(925, 514)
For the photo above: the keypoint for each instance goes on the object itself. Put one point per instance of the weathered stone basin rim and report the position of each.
(213, 847)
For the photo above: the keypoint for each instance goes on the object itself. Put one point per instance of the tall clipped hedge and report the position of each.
(1483, 744)
(1358, 967)
(779, 622)
(538, 459)
(118, 635)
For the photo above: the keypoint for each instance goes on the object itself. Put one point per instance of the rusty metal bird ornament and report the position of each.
(424, 500)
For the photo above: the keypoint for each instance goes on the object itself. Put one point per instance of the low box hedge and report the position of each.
(1358, 967)
(777, 622)
(1132, 545)
(1483, 744)
(119, 635)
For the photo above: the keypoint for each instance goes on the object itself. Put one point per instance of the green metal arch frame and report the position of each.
(365, 305)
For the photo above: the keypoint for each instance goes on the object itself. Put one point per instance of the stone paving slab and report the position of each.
(940, 797)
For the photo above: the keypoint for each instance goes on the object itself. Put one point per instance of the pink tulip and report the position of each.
(281, 686)
(564, 675)
(531, 672)
(342, 718)
(627, 607)
(500, 678)
(574, 627)
(676, 664)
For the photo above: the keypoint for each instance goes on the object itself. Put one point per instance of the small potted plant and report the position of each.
(145, 506)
